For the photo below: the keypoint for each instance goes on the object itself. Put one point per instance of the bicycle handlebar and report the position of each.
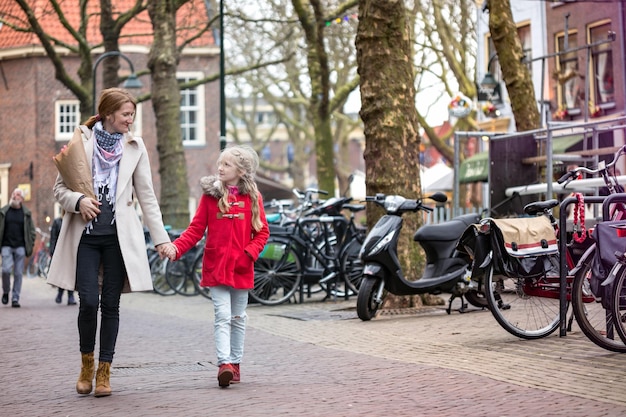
(602, 166)
(308, 192)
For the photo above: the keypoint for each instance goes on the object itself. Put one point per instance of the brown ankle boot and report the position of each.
(87, 370)
(103, 387)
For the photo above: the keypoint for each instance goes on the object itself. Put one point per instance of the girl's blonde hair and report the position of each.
(246, 160)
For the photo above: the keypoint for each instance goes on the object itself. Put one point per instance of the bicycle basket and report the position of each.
(610, 237)
(524, 246)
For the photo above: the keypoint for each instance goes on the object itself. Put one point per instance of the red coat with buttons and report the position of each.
(232, 245)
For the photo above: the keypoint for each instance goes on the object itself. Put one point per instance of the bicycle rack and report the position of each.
(606, 204)
(563, 249)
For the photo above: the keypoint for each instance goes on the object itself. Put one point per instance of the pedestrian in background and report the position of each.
(103, 237)
(231, 213)
(55, 229)
(17, 238)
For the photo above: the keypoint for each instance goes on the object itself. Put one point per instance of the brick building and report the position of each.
(38, 113)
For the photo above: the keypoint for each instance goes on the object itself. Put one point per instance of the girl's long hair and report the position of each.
(246, 161)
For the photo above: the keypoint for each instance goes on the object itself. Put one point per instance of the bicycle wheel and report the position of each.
(619, 303)
(277, 273)
(157, 271)
(517, 306)
(197, 276)
(31, 267)
(593, 319)
(179, 277)
(351, 266)
(43, 263)
(312, 263)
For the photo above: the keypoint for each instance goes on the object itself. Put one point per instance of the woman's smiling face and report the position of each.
(121, 120)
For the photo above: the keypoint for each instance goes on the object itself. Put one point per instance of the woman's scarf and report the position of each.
(107, 153)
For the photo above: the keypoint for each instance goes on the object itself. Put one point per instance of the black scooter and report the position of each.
(447, 270)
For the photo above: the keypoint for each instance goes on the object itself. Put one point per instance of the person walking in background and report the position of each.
(105, 234)
(55, 229)
(17, 238)
(231, 213)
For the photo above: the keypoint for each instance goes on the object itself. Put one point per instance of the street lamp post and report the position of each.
(222, 83)
(131, 82)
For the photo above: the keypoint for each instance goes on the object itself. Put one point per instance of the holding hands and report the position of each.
(167, 250)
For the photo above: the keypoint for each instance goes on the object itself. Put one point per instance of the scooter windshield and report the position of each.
(393, 203)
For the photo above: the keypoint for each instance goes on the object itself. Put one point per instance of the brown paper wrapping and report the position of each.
(73, 166)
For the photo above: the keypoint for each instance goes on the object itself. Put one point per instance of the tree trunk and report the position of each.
(389, 115)
(313, 25)
(166, 98)
(515, 73)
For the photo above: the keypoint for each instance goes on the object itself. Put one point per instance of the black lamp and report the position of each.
(131, 82)
(489, 87)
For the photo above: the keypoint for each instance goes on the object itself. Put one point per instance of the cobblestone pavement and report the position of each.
(311, 359)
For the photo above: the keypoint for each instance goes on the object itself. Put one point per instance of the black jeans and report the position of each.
(94, 251)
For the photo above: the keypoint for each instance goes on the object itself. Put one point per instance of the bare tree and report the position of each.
(445, 45)
(162, 62)
(307, 93)
(514, 71)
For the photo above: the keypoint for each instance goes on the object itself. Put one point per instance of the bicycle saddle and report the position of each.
(540, 206)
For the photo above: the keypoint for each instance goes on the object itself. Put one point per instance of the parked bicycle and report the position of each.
(185, 274)
(523, 288)
(39, 261)
(321, 247)
(618, 292)
(158, 266)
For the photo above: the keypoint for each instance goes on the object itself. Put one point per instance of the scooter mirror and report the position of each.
(438, 197)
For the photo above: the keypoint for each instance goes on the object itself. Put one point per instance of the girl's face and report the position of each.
(121, 120)
(227, 171)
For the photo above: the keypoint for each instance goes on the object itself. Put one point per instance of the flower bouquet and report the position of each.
(73, 166)
(594, 110)
(490, 110)
(560, 113)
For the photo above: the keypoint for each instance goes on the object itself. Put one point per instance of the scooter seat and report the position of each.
(447, 231)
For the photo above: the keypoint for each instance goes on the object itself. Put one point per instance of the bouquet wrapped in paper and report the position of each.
(73, 166)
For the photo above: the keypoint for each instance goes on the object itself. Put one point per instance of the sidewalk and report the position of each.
(313, 359)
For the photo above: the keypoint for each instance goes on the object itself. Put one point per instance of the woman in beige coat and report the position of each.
(101, 250)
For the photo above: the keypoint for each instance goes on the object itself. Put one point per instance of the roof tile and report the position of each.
(191, 17)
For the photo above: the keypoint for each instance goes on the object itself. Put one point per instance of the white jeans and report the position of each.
(230, 323)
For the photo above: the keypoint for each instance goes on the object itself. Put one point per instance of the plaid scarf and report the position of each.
(107, 153)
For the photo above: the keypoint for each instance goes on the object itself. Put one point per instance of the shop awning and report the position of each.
(476, 167)
(563, 143)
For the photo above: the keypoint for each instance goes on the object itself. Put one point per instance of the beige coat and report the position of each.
(134, 176)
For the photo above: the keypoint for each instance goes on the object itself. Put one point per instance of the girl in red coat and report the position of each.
(231, 213)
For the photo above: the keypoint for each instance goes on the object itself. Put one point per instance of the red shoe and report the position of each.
(225, 375)
(236, 374)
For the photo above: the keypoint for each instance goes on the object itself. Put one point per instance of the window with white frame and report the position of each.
(67, 118)
(602, 86)
(192, 110)
(136, 126)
